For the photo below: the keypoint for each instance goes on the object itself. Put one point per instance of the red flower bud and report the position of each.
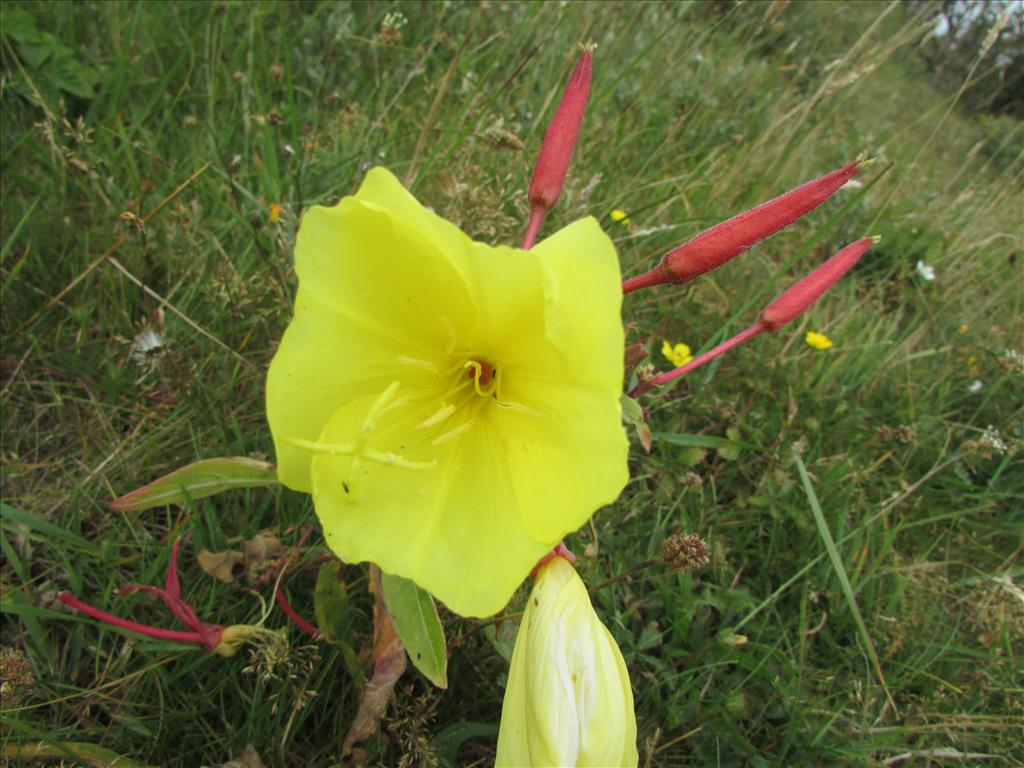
(556, 149)
(799, 296)
(714, 247)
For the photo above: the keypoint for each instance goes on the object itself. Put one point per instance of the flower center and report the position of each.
(484, 375)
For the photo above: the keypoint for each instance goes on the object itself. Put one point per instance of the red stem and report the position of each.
(664, 378)
(117, 621)
(537, 214)
(292, 614)
(650, 278)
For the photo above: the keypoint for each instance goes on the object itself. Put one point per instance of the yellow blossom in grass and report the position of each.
(453, 407)
(679, 354)
(275, 213)
(619, 215)
(818, 341)
(568, 701)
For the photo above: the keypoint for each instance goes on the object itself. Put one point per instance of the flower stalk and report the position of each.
(220, 640)
(789, 305)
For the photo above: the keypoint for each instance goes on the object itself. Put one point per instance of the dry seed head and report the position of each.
(685, 552)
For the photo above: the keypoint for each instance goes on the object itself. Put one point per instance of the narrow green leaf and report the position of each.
(47, 530)
(702, 441)
(418, 626)
(198, 480)
(840, 570)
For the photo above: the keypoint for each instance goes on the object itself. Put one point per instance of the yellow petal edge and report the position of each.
(453, 407)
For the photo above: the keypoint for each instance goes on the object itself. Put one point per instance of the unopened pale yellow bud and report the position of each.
(568, 700)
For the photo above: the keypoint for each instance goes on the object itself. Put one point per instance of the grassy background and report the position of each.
(697, 112)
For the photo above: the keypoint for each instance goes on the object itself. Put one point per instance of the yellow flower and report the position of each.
(619, 215)
(275, 213)
(818, 340)
(453, 407)
(568, 701)
(678, 355)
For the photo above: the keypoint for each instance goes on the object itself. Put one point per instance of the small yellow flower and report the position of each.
(678, 355)
(568, 701)
(619, 215)
(964, 327)
(275, 213)
(818, 340)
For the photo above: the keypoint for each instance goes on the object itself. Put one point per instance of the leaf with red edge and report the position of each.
(198, 480)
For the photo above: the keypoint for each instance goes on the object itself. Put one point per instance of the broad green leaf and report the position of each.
(418, 626)
(196, 481)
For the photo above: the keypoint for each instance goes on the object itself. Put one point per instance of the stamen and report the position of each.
(452, 336)
(423, 365)
(513, 406)
(370, 422)
(342, 449)
(442, 413)
(453, 433)
(328, 449)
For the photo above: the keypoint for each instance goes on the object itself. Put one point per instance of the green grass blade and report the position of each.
(844, 580)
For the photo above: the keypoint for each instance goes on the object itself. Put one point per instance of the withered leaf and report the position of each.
(389, 661)
(224, 566)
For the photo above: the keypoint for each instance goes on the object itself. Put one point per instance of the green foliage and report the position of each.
(418, 626)
(697, 112)
(50, 66)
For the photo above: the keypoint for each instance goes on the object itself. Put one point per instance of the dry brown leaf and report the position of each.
(224, 566)
(389, 662)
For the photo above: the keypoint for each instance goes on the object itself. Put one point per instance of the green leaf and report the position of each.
(503, 637)
(81, 753)
(334, 615)
(45, 529)
(196, 481)
(20, 27)
(330, 601)
(418, 626)
(448, 741)
(632, 411)
(70, 75)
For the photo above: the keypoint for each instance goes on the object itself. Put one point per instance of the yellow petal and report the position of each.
(454, 529)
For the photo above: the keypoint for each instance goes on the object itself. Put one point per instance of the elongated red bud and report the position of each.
(714, 247)
(556, 149)
(790, 304)
(793, 301)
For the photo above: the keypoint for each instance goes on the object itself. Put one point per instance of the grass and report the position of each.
(866, 539)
